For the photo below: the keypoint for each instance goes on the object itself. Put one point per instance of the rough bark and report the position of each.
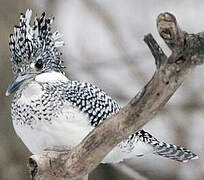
(187, 52)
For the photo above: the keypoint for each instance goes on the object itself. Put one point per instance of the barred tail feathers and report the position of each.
(166, 150)
(173, 152)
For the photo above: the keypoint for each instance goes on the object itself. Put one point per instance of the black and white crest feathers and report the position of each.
(29, 42)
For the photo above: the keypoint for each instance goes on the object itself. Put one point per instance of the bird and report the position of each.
(50, 110)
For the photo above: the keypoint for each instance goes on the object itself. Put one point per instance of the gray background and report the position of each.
(104, 46)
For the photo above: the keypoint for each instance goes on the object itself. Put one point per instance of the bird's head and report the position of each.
(33, 49)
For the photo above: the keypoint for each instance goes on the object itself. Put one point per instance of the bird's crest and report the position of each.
(31, 41)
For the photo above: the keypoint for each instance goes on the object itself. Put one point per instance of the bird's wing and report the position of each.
(91, 100)
(99, 106)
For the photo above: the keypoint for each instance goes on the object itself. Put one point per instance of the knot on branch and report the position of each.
(171, 33)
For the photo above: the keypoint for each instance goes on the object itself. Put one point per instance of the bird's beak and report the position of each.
(15, 84)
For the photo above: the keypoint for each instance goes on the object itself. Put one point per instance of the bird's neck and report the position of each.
(51, 76)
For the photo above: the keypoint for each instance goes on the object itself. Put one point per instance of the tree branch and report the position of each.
(156, 51)
(187, 51)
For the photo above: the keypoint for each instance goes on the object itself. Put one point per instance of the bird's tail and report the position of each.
(141, 143)
(170, 151)
(173, 152)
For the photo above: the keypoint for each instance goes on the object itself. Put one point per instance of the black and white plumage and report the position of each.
(50, 110)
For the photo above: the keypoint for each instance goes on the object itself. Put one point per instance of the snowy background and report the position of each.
(104, 46)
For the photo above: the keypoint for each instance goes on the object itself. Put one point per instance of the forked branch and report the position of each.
(187, 51)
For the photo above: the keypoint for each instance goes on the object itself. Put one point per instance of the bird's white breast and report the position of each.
(68, 128)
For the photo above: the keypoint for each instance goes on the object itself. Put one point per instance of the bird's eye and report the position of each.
(39, 64)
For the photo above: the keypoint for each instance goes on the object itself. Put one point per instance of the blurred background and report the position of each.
(104, 46)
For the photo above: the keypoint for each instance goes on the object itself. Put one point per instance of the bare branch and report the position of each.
(155, 49)
(169, 75)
